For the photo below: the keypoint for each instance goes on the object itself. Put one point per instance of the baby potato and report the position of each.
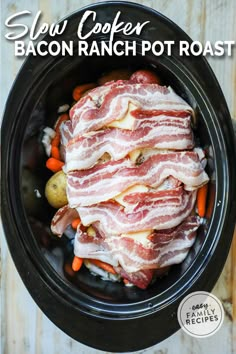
(55, 190)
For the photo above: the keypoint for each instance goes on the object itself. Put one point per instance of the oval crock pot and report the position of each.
(105, 315)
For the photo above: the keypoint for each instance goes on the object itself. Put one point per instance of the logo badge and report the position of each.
(200, 314)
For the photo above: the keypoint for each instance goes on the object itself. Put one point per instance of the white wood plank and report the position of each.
(18, 309)
(233, 274)
(8, 60)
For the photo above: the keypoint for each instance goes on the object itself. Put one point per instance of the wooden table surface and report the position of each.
(25, 329)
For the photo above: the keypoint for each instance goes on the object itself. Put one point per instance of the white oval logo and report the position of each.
(200, 314)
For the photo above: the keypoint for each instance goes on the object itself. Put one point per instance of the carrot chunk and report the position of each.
(201, 200)
(56, 140)
(75, 223)
(79, 90)
(54, 165)
(77, 263)
(211, 194)
(105, 266)
(55, 152)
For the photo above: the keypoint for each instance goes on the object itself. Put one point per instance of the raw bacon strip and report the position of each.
(141, 278)
(113, 220)
(142, 114)
(170, 186)
(138, 201)
(92, 100)
(138, 198)
(92, 113)
(169, 183)
(161, 132)
(160, 249)
(82, 185)
(66, 134)
(93, 247)
(131, 256)
(107, 180)
(63, 217)
(98, 248)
